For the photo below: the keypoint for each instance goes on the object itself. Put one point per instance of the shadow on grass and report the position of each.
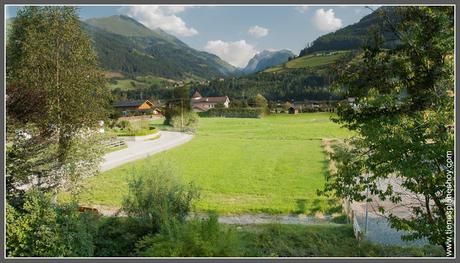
(311, 207)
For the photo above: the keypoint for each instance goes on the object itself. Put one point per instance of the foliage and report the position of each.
(234, 112)
(56, 96)
(158, 196)
(123, 124)
(356, 35)
(31, 160)
(132, 128)
(242, 165)
(178, 112)
(193, 238)
(404, 105)
(137, 132)
(117, 236)
(42, 229)
(277, 240)
(187, 119)
(51, 57)
(259, 101)
(298, 84)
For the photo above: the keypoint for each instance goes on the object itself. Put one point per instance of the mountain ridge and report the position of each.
(356, 35)
(126, 45)
(266, 59)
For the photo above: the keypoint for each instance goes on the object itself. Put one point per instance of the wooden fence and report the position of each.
(115, 143)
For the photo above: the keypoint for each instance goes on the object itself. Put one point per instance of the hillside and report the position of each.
(354, 36)
(127, 46)
(266, 59)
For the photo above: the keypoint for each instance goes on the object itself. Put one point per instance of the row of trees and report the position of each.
(297, 84)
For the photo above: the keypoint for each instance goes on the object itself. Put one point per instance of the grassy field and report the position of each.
(139, 82)
(271, 165)
(127, 84)
(308, 61)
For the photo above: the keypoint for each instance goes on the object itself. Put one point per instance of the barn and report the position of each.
(137, 107)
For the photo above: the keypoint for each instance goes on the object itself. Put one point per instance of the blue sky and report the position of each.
(236, 33)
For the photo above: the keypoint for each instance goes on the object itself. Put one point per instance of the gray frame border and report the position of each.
(225, 2)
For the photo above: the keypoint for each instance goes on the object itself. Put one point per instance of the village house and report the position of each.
(200, 103)
(136, 107)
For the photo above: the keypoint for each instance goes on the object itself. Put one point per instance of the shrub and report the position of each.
(156, 197)
(197, 237)
(276, 240)
(41, 229)
(234, 113)
(124, 125)
(341, 219)
(117, 236)
(138, 132)
(187, 119)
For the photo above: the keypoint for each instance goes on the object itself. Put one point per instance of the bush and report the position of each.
(41, 229)
(341, 219)
(117, 236)
(138, 132)
(159, 196)
(194, 238)
(234, 113)
(187, 119)
(124, 125)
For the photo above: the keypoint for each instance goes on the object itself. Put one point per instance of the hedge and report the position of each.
(138, 133)
(234, 113)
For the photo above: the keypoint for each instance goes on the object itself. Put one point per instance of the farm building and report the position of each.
(136, 107)
(200, 103)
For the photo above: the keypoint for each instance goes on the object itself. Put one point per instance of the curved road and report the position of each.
(141, 149)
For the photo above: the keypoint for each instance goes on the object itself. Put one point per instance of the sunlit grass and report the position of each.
(270, 165)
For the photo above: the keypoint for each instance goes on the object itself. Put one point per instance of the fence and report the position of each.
(351, 214)
(114, 143)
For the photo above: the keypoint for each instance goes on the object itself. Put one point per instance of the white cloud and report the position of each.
(164, 17)
(258, 31)
(237, 53)
(326, 20)
(302, 8)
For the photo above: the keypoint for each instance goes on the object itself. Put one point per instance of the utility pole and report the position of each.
(182, 114)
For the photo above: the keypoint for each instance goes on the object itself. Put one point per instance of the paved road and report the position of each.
(141, 149)
(379, 229)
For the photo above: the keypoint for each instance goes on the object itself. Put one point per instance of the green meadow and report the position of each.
(308, 61)
(270, 165)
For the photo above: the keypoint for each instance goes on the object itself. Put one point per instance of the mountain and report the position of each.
(125, 45)
(356, 35)
(267, 59)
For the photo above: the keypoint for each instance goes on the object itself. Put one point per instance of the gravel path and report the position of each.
(247, 219)
(141, 149)
(244, 219)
